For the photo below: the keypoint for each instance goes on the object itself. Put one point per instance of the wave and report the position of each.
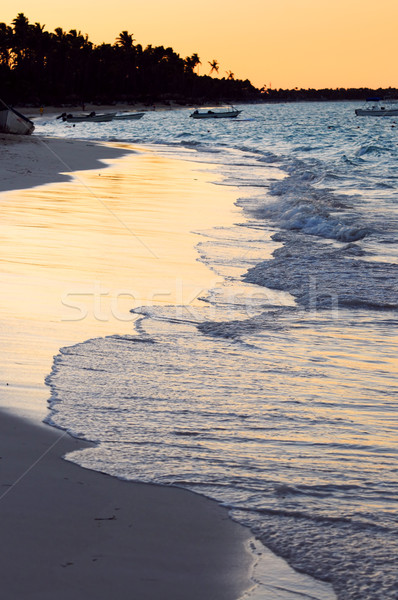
(312, 220)
(301, 540)
(282, 411)
(372, 149)
(303, 207)
(319, 276)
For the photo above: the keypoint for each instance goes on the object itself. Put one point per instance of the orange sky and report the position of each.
(288, 43)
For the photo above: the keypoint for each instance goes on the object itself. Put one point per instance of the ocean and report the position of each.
(277, 394)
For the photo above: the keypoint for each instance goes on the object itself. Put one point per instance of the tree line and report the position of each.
(41, 67)
(64, 68)
(326, 94)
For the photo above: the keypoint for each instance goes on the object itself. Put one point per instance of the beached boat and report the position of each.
(229, 112)
(129, 116)
(90, 118)
(12, 121)
(375, 107)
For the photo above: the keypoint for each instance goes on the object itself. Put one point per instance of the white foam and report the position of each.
(276, 580)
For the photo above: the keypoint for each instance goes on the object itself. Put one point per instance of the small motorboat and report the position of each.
(12, 121)
(128, 116)
(378, 108)
(216, 113)
(92, 117)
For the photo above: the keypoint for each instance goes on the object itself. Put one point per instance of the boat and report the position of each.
(216, 113)
(378, 108)
(92, 117)
(12, 121)
(128, 116)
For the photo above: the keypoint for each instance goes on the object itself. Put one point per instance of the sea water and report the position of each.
(277, 396)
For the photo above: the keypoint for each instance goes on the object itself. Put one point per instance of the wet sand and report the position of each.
(77, 255)
(28, 161)
(75, 258)
(72, 533)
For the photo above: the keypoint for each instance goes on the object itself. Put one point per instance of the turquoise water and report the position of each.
(278, 395)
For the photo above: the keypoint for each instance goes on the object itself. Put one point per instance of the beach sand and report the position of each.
(28, 161)
(80, 245)
(68, 532)
(77, 255)
(73, 533)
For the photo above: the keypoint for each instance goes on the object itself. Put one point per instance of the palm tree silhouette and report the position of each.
(65, 67)
(20, 39)
(214, 66)
(230, 75)
(196, 61)
(191, 62)
(60, 34)
(125, 40)
(5, 44)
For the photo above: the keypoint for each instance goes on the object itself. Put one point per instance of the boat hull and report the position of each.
(128, 117)
(11, 121)
(363, 112)
(88, 118)
(215, 115)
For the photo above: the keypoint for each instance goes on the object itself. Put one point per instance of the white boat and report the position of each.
(216, 113)
(376, 108)
(90, 118)
(12, 121)
(129, 116)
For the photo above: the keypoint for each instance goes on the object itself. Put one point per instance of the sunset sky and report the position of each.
(285, 43)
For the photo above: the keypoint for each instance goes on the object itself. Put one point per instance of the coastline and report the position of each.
(69, 530)
(81, 251)
(42, 222)
(29, 161)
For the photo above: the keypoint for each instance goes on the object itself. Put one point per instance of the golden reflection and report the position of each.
(76, 257)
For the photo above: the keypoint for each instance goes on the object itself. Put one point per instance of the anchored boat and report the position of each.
(90, 118)
(375, 107)
(216, 113)
(129, 116)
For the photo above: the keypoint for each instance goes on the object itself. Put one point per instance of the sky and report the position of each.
(277, 43)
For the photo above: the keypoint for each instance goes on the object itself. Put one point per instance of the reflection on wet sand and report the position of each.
(77, 256)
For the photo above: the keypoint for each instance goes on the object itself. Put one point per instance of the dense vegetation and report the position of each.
(305, 95)
(39, 67)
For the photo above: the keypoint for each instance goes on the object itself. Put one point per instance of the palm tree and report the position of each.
(196, 61)
(230, 75)
(191, 62)
(21, 24)
(60, 34)
(20, 38)
(125, 40)
(214, 66)
(5, 43)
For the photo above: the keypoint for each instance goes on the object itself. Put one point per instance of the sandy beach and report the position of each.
(28, 161)
(67, 531)
(80, 253)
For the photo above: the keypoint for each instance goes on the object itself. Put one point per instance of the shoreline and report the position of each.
(67, 530)
(70, 530)
(234, 560)
(31, 161)
(90, 231)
